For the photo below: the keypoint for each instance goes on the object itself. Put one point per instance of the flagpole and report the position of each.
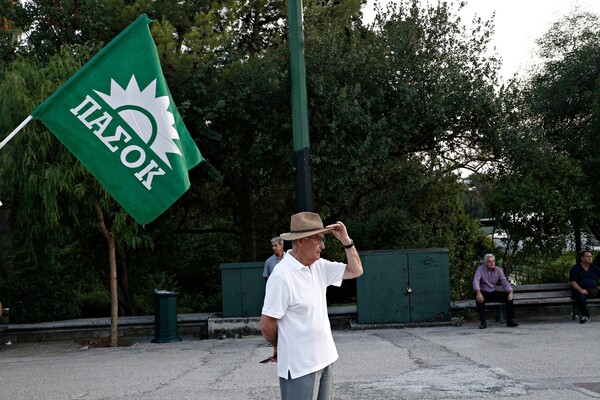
(13, 133)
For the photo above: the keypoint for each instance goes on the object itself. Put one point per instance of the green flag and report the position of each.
(116, 115)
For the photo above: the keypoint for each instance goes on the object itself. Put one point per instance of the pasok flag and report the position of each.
(116, 115)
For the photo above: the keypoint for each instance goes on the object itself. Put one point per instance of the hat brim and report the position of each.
(299, 235)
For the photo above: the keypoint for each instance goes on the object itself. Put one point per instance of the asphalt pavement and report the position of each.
(544, 359)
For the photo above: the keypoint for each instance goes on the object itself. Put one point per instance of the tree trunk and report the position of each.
(577, 236)
(126, 297)
(248, 220)
(114, 297)
(6, 264)
(112, 260)
(242, 190)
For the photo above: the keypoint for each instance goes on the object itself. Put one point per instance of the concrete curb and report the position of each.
(232, 327)
(194, 324)
(355, 326)
(202, 325)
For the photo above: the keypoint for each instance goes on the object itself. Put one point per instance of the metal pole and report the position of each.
(304, 196)
(17, 129)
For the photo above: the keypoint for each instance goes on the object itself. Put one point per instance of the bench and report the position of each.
(536, 295)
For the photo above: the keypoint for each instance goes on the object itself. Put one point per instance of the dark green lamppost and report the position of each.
(304, 195)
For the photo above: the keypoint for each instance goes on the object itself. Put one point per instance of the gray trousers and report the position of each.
(315, 386)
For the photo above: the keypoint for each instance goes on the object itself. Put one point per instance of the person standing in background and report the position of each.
(277, 246)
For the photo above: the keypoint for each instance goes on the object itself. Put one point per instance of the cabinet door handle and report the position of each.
(409, 290)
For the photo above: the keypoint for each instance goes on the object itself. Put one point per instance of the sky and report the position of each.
(518, 24)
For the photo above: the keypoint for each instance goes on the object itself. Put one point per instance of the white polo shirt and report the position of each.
(296, 296)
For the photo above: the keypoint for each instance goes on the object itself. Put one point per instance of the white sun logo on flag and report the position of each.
(146, 114)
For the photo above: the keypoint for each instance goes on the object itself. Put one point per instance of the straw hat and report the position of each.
(304, 224)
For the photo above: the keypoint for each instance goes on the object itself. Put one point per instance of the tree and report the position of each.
(411, 88)
(476, 188)
(42, 180)
(545, 179)
(51, 27)
(388, 125)
(64, 197)
(395, 109)
(563, 95)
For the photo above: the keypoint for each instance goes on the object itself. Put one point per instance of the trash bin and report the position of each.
(165, 317)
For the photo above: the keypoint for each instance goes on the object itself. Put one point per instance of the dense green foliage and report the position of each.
(545, 193)
(395, 110)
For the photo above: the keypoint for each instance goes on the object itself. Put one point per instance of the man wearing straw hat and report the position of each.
(294, 316)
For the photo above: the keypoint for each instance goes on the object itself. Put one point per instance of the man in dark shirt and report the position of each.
(583, 277)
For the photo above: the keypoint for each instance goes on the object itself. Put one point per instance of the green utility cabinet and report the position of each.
(243, 289)
(165, 317)
(400, 286)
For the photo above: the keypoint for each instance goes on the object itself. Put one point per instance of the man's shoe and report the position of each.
(511, 324)
(483, 325)
(583, 320)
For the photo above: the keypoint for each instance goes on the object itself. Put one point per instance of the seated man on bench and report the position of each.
(487, 277)
(583, 277)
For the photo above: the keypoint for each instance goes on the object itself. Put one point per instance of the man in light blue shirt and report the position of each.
(487, 278)
(277, 246)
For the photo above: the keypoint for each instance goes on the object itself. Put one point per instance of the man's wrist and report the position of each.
(348, 245)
